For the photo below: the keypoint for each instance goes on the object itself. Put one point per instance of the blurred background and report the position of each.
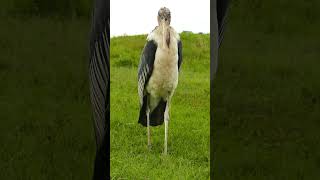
(46, 130)
(45, 8)
(266, 91)
(140, 17)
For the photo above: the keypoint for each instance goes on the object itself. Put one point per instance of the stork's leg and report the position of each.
(166, 124)
(148, 128)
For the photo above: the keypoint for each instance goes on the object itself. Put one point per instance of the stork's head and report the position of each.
(164, 16)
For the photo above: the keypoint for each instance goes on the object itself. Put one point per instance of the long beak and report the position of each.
(164, 33)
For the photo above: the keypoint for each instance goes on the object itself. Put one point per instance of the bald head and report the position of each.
(164, 15)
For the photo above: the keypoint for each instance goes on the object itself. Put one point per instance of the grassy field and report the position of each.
(189, 125)
(267, 99)
(46, 128)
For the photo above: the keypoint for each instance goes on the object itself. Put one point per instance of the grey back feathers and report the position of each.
(145, 67)
(222, 8)
(99, 85)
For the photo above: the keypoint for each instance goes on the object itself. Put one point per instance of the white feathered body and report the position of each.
(164, 78)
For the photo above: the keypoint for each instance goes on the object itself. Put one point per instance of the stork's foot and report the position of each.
(165, 152)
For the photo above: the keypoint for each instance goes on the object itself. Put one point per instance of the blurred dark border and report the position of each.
(265, 110)
(36, 95)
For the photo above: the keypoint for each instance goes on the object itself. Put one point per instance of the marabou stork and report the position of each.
(158, 74)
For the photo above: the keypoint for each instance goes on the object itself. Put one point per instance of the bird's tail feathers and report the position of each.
(156, 116)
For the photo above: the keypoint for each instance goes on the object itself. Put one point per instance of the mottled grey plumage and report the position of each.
(99, 86)
(218, 22)
(144, 73)
(222, 8)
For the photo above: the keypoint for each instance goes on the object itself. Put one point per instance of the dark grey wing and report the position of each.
(222, 8)
(99, 81)
(145, 67)
(179, 54)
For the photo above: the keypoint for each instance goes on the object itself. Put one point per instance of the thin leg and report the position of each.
(166, 123)
(148, 128)
(166, 137)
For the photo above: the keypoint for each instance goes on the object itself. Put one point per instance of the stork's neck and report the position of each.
(165, 35)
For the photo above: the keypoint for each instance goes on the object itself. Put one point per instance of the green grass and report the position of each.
(46, 128)
(267, 102)
(189, 124)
